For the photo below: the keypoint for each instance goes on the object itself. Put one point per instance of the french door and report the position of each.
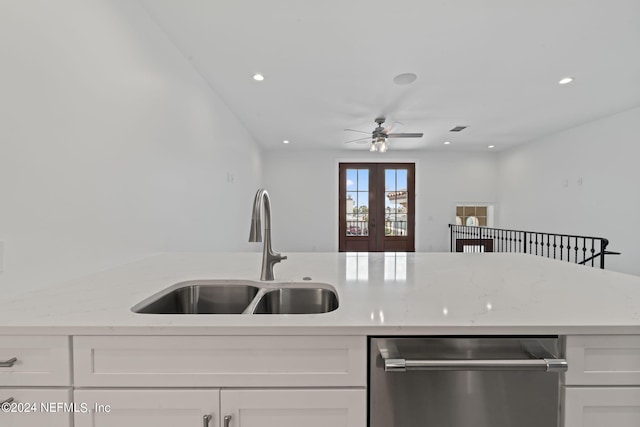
(376, 207)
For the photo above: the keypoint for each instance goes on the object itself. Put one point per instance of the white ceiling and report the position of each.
(492, 65)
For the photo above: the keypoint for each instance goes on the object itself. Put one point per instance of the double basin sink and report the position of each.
(240, 297)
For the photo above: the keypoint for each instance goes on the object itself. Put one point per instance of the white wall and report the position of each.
(112, 147)
(584, 180)
(304, 193)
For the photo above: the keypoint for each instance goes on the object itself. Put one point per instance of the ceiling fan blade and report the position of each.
(353, 130)
(392, 126)
(359, 139)
(405, 135)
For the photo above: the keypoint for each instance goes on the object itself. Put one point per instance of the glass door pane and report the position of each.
(396, 202)
(357, 202)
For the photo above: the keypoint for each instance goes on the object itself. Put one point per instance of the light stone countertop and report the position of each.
(379, 294)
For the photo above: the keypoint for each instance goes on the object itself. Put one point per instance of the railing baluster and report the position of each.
(603, 250)
(549, 246)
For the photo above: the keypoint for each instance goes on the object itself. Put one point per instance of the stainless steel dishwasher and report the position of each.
(464, 382)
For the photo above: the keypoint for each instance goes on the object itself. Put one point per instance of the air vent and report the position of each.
(458, 129)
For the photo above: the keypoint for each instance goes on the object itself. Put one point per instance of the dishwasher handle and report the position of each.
(544, 365)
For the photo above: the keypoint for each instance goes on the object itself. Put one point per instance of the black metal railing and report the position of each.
(578, 249)
(391, 228)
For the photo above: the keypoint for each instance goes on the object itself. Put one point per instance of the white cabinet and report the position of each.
(31, 407)
(147, 408)
(602, 384)
(295, 408)
(246, 408)
(29, 367)
(602, 406)
(158, 381)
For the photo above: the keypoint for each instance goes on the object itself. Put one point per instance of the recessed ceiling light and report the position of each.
(565, 80)
(405, 79)
(258, 77)
(286, 141)
(447, 142)
(491, 146)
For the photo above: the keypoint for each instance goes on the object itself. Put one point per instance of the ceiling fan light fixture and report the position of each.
(380, 134)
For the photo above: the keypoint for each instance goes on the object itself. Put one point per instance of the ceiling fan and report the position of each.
(380, 134)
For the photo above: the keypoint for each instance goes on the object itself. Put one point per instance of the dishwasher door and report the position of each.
(464, 382)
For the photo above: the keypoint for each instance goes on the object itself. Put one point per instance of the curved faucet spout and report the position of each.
(261, 203)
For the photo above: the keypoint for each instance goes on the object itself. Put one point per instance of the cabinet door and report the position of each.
(147, 408)
(35, 407)
(602, 406)
(294, 408)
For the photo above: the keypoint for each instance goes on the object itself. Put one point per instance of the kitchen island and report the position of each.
(80, 342)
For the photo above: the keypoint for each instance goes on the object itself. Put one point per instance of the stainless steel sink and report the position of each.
(201, 298)
(240, 297)
(297, 301)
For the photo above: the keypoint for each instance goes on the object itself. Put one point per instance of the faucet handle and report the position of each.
(276, 257)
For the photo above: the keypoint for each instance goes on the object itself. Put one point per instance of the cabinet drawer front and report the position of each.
(220, 361)
(601, 406)
(295, 408)
(39, 361)
(603, 360)
(36, 407)
(141, 408)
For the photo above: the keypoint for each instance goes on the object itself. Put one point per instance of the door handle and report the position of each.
(205, 420)
(8, 363)
(545, 365)
(227, 420)
(9, 400)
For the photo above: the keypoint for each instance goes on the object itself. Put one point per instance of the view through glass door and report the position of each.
(377, 207)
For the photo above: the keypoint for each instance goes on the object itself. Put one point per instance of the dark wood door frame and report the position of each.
(376, 241)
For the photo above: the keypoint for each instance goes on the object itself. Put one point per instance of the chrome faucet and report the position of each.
(269, 257)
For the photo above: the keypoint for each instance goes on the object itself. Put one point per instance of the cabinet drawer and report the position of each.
(39, 361)
(36, 407)
(234, 361)
(603, 360)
